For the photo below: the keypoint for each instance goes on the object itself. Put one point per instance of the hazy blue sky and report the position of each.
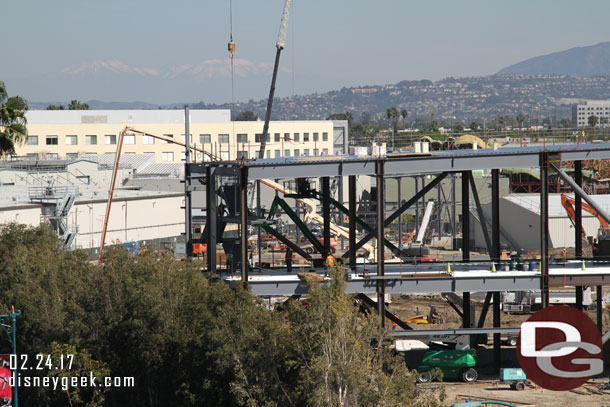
(167, 51)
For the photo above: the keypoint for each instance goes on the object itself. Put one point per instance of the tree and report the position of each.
(335, 350)
(404, 114)
(593, 120)
(246, 116)
(77, 105)
(474, 126)
(520, 119)
(12, 121)
(565, 123)
(55, 107)
(459, 128)
(393, 116)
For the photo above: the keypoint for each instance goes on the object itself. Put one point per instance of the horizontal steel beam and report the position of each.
(458, 331)
(409, 164)
(436, 282)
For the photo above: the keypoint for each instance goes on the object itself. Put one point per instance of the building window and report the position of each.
(296, 137)
(129, 139)
(258, 138)
(297, 152)
(51, 156)
(31, 156)
(51, 140)
(305, 136)
(32, 141)
(91, 140)
(325, 151)
(183, 137)
(316, 152)
(276, 137)
(286, 153)
(71, 156)
(71, 140)
(148, 140)
(224, 155)
(287, 137)
(242, 155)
(168, 156)
(182, 156)
(170, 136)
(242, 138)
(325, 136)
(268, 154)
(223, 139)
(316, 136)
(110, 139)
(277, 154)
(306, 152)
(205, 138)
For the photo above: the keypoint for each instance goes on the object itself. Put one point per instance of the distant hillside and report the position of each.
(581, 61)
(449, 100)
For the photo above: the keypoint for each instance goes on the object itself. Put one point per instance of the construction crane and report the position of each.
(568, 205)
(279, 45)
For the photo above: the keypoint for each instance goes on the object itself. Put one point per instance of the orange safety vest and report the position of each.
(330, 261)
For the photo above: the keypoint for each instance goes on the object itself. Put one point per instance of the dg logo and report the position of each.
(560, 348)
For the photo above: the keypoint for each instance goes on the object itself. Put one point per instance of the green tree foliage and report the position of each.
(78, 105)
(186, 340)
(73, 105)
(335, 353)
(474, 126)
(246, 116)
(593, 120)
(12, 121)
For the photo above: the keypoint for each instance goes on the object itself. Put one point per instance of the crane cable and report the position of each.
(231, 48)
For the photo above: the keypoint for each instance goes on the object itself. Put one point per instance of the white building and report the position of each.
(520, 222)
(68, 134)
(598, 108)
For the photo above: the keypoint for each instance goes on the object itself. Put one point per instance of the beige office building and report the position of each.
(67, 134)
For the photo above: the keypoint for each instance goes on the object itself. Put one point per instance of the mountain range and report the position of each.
(545, 85)
(593, 60)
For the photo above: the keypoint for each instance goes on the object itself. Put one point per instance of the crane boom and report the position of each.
(280, 46)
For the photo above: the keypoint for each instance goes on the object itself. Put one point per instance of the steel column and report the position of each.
(578, 228)
(495, 256)
(211, 218)
(188, 205)
(380, 236)
(465, 217)
(599, 309)
(544, 229)
(326, 215)
(398, 203)
(244, 224)
(466, 310)
(352, 221)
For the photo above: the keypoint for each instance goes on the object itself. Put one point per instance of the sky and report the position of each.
(166, 52)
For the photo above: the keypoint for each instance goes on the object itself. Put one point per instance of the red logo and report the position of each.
(560, 348)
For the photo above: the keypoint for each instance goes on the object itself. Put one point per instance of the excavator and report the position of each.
(601, 249)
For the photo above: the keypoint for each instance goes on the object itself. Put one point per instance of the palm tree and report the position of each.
(393, 115)
(12, 121)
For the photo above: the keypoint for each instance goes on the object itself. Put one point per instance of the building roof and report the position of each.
(125, 116)
(531, 202)
(135, 161)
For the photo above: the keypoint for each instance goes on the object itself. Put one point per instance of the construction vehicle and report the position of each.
(602, 248)
(433, 317)
(454, 364)
(516, 378)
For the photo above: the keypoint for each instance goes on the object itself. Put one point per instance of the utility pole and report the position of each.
(11, 332)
